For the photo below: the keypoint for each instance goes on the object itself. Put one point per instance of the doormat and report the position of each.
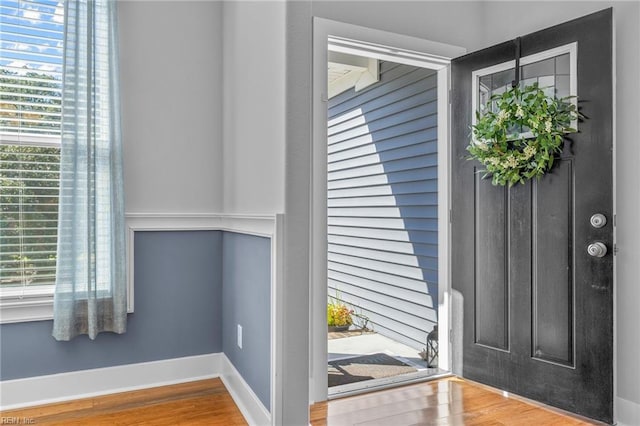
(365, 367)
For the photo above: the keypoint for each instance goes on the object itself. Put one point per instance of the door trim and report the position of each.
(401, 49)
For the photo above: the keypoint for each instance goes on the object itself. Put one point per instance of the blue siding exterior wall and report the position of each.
(383, 202)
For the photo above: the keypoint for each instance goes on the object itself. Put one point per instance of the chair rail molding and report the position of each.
(253, 224)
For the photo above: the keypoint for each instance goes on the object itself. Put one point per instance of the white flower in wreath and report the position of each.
(547, 126)
(482, 144)
(502, 116)
(510, 162)
(529, 151)
(492, 161)
(519, 111)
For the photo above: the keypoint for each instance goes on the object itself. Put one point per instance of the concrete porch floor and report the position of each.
(371, 343)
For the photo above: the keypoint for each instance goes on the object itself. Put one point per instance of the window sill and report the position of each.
(33, 304)
(23, 305)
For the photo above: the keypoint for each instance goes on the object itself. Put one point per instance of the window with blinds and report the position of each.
(31, 47)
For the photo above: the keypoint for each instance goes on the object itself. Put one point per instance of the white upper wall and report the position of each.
(450, 22)
(253, 112)
(171, 84)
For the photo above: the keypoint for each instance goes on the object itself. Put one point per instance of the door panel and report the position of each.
(552, 278)
(491, 285)
(538, 309)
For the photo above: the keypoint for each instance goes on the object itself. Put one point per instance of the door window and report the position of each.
(554, 70)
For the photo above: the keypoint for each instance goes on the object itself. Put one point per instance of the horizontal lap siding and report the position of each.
(382, 202)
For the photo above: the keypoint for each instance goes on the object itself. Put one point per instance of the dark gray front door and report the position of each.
(538, 309)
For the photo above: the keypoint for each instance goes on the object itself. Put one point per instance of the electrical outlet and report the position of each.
(239, 336)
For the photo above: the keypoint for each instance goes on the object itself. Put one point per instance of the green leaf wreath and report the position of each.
(500, 140)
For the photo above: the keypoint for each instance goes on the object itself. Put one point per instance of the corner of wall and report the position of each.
(247, 401)
(627, 413)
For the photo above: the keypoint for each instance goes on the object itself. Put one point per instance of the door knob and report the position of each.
(597, 249)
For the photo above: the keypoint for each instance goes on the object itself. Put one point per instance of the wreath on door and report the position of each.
(520, 134)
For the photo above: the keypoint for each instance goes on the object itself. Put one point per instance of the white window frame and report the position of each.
(35, 303)
(24, 303)
(28, 303)
(20, 304)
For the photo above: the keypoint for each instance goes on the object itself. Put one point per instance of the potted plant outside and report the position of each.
(338, 316)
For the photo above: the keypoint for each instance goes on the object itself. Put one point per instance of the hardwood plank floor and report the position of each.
(205, 402)
(449, 401)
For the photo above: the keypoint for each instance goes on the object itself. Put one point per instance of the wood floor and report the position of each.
(449, 401)
(205, 402)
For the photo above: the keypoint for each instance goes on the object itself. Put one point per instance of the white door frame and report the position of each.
(400, 49)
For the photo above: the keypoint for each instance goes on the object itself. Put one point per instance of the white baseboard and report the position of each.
(81, 384)
(61, 387)
(249, 404)
(627, 412)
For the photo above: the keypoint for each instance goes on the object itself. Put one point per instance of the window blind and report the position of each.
(31, 48)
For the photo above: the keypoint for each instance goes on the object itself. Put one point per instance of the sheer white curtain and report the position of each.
(90, 295)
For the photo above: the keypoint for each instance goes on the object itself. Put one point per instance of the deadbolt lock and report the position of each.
(598, 220)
